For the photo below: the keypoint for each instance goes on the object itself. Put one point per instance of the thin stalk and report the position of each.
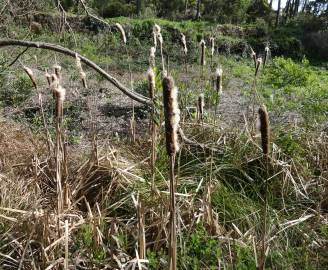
(173, 243)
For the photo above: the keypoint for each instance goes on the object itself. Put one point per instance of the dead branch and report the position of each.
(57, 48)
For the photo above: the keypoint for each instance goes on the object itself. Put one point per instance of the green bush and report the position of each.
(16, 91)
(115, 8)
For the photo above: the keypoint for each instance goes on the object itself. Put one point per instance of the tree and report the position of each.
(278, 13)
(138, 3)
(198, 10)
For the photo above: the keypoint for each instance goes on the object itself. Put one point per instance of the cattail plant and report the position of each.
(121, 29)
(152, 57)
(185, 49)
(200, 108)
(151, 88)
(172, 118)
(57, 70)
(202, 45)
(218, 86)
(83, 75)
(266, 55)
(59, 94)
(141, 230)
(258, 64)
(48, 77)
(265, 142)
(253, 55)
(158, 37)
(184, 43)
(212, 42)
(30, 74)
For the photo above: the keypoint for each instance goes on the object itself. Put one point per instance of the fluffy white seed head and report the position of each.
(152, 52)
(172, 115)
(60, 93)
(201, 104)
(57, 70)
(157, 29)
(202, 43)
(152, 56)
(218, 79)
(212, 41)
(160, 38)
(184, 43)
(155, 39)
(29, 72)
(78, 62)
(121, 29)
(54, 83)
(253, 54)
(218, 72)
(175, 119)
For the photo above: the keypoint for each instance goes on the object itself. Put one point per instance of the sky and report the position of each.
(275, 3)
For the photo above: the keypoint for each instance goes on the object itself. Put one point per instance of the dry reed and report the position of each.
(30, 73)
(153, 129)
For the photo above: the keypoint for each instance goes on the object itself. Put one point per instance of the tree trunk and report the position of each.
(287, 8)
(297, 6)
(278, 13)
(138, 7)
(186, 6)
(198, 10)
(305, 5)
(271, 1)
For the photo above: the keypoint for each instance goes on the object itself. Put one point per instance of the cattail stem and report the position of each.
(265, 141)
(173, 237)
(172, 118)
(141, 231)
(29, 72)
(151, 89)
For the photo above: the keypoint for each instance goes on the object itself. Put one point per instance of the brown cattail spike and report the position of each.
(201, 105)
(151, 83)
(264, 129)
(172, 115)
(218, 81)
(202, 52)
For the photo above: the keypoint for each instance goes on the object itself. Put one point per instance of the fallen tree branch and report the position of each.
(57, 48)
